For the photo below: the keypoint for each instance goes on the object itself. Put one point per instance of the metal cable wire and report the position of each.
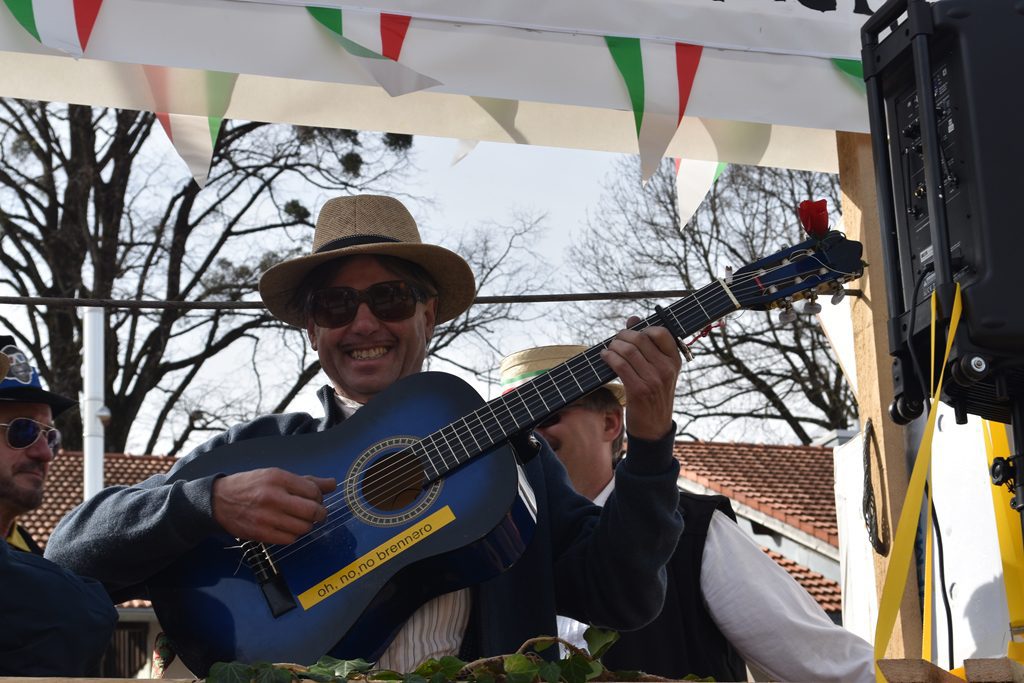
(256, 305)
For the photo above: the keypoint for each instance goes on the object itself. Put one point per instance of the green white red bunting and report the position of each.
(658, 77)
(194, 138)
(63, 25)
(375, 40)
(694, 179)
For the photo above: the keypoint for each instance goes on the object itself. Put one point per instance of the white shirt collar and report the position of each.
(601, 498)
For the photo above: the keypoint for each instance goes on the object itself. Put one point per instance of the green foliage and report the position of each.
(523, 666)
(260, 672)
(339, 668)
(599, 640)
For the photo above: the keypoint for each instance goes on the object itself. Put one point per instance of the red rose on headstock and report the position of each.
(814, 217)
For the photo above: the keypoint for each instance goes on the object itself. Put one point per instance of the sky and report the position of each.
(493, 182)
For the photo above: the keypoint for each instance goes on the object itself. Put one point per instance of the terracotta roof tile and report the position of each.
(824, 590)
(64, 485)
(794, 484)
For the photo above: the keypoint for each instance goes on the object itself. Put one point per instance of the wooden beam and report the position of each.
(874, 373)
(915, 671)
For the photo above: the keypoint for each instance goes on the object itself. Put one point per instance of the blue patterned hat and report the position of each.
(20, 382)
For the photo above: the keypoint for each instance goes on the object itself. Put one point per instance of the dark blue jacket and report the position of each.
(54, 623)
(605, 569)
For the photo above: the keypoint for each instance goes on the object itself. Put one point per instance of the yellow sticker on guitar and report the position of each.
(386, 551)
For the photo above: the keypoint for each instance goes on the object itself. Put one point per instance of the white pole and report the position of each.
(92, 400)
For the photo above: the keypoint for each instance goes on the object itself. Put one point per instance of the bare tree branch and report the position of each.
(755, 376)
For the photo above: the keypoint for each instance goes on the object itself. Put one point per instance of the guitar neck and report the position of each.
(528, 404)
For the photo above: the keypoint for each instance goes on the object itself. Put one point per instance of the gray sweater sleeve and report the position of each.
(126, 534)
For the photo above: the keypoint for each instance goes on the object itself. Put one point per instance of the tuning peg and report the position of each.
(838, 296)
(787, 315)
(811, 306)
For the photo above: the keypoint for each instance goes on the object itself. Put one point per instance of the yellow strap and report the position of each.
(16, 540)
(1011, 546)
(903, 541)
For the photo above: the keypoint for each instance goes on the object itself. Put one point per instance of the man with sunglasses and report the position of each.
(368, 298)
(727, 601)
(54, 623)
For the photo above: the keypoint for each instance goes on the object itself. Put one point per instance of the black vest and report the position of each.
(683, 639)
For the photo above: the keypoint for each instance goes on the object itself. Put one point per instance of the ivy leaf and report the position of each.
(482, 675)
(265, 672)
(414, 678)
(387, 675)
(550, 672)
(230, 672)
(342, 668)
(599, 640)
(575, 669)
(318, 677)
(451, 666)
(542, 644)
(520, 668)
(596, 668)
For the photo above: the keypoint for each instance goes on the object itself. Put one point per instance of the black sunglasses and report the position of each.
(389, 301)
(554, 418)
(22, 432)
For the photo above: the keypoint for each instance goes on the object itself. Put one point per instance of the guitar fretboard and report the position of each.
(531, 402)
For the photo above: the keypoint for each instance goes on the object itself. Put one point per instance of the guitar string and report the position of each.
(460, 435)
(413, 481)
(407, 459)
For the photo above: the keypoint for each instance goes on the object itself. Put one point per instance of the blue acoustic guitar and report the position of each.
(430, 496)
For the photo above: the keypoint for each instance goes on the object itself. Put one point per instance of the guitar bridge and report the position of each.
(275, 591)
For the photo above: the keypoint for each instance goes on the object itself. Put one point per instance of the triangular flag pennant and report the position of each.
(504, 113)
(658, 77)
(739, 139)
(63, 25)
(852, 70)
(375, 40)
(194, 138)
(462, 150)
(694, 180)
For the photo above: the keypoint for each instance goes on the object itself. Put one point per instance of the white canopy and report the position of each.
(767, 90)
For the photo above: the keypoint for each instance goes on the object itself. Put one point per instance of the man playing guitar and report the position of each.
(368, 298)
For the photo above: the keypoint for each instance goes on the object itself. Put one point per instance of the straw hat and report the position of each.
(19, 381)
(523, 366)
(375, 225)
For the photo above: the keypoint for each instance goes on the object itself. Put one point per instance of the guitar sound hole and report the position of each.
(393, 482)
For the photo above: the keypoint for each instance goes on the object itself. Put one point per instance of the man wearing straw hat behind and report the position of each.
(54, 623)
(726, 600)
(368, 298)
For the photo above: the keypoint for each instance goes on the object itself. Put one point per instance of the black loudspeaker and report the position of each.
(946, 107)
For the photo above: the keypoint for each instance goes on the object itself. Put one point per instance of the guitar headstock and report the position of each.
(813, 267)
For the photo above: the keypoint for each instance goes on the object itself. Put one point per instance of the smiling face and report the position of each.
(368, 355)
(22, 470)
